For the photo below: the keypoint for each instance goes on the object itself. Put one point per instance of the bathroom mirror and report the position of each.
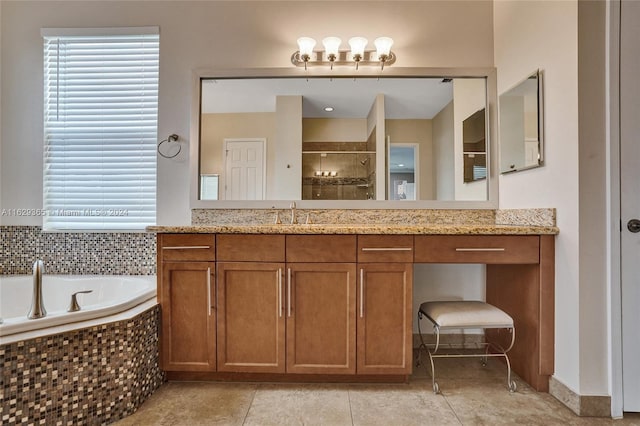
(333, 140)
(521, 125)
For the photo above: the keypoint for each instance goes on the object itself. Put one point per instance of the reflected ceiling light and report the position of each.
(328, 109)
(325, 173)
(332, 55)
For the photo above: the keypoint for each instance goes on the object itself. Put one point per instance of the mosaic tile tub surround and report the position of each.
(94, 375)
(108, 253)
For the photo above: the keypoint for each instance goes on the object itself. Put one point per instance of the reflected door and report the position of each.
(244, 169)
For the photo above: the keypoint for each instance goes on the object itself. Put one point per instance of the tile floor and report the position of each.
(470, 395)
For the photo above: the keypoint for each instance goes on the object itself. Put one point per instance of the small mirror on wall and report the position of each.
(521, 125)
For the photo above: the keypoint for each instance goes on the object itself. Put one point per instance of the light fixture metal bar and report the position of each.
(318, 58)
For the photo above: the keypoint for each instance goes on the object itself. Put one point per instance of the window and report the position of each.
(100, 128)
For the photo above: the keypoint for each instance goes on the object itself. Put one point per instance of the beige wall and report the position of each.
(334, 129)
(419, 132)
(217, 127)
(443, 153)
(287, 173)
(592, 205)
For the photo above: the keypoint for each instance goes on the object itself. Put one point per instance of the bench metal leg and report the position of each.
(433, 348)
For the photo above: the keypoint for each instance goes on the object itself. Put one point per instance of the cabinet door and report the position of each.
(251, 322)
(188, 339)
(321, 326)
(384, 318)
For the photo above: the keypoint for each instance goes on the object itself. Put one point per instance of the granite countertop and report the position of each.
(423, 229)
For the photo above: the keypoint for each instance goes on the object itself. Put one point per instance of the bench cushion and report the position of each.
(466, 314)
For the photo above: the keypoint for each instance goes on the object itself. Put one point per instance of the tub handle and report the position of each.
(74, 306)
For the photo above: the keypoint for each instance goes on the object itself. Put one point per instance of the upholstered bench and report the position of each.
(465, 314)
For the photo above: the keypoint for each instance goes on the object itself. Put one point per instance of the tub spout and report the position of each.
(37, 305)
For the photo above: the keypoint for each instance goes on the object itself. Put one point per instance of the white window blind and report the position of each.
(101, 102)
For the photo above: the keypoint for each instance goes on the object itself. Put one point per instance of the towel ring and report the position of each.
(171, 138)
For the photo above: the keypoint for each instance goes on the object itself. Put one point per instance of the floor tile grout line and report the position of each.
(350, 408)
(253, 397)
(452, 409)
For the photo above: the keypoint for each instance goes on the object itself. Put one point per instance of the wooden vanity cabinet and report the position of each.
(187, 295)
(384, 304)
(338, 305)
(293, 317)
(251, 316)
(321, 299)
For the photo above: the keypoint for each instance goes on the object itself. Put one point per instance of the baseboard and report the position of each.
(582, 405)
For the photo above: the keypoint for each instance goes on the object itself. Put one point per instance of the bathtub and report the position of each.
(111, 295)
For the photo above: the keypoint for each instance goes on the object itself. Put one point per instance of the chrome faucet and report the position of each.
(294, 220)
(37, 305)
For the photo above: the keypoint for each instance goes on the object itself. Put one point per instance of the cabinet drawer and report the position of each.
(385, 248)
(188, 247)
(250, 248)
(489, 249)
(321, 248)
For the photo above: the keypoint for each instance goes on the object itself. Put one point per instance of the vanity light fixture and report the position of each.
(305, 46)
(332, 55)
(383, 49)
(358, 44)
(331, 48)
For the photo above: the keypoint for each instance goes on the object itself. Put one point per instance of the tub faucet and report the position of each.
(37, 305)
(74, 306)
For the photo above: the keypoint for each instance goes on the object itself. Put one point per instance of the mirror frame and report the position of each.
(248, 73)
(540, 99)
